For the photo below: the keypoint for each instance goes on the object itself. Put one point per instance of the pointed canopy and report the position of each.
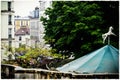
(103, 60)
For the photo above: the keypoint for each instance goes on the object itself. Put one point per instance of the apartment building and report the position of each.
(43, 6)
(21, 22)
(36, 31)
(7, 23)
(22, 36)
(22, 31)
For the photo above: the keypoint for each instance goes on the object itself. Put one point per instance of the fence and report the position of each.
(9, 72)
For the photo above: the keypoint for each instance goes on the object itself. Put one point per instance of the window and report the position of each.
(9, 6)
(20, 38)
(20, 44)
(9, 36)
(10, 19)
(14, 29)
(9, 33)
(26, 23)
(9, 30)
(21, 23)
(10, 43)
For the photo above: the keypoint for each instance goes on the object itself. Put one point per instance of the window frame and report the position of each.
(9, 6)
(20, 38)
(9, 19)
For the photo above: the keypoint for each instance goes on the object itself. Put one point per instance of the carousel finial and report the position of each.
(104, 36)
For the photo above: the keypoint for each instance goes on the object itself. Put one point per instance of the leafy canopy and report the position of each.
(73, 27)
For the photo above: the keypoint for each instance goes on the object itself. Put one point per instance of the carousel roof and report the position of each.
(103, 60)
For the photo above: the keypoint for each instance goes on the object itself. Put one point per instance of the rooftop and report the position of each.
(23, 31)
(21, 18)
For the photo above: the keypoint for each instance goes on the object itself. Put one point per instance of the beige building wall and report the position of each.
(22, 22)
(17, 24)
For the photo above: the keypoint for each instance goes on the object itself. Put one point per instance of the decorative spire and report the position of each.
(104, 36)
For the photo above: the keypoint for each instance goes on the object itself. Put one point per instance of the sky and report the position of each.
(24, 7)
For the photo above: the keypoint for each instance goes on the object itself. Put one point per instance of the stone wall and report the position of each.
(10, 72)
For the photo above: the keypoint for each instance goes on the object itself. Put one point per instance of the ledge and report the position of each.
(7, 11)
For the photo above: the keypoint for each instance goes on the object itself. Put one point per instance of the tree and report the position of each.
(74, 27)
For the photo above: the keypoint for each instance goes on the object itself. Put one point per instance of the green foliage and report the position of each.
(74, 26)
(35, 52)
(70, 24)
(22, 48)
(8, 49)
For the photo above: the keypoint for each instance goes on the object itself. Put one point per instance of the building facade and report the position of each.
(35, 13)
(43, 6)
(36, 31)
(7, 22)
(22, 36)
(21, 31)
(21, 22)
(34, 24)
(34, 28)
